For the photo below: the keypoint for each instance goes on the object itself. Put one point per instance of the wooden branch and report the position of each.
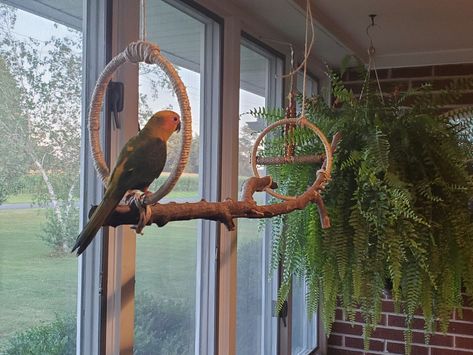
(224, 212)
(301, 159)
(227, 210)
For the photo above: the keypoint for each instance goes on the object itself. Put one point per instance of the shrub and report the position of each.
(56, 338)
(163, 326)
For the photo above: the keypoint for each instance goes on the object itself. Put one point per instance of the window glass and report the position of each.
(254, 286)
(40, 125)
(304, 325)
(166, 262)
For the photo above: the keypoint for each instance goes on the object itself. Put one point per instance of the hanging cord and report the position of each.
(143, 33)
(371, 61)
(307, 49)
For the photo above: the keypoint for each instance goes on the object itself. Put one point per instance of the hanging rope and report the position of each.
(149, 53)
(371, 61)
(307, 50)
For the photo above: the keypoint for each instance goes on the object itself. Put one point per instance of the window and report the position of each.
(40, 118)
(175, 269)
(304, 325)
(174, 298)
(260, 86)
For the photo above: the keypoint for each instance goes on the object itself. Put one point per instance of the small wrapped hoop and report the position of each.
(149, 53)
(303, 122)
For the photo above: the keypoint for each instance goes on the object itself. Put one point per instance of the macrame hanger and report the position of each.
(371, 60)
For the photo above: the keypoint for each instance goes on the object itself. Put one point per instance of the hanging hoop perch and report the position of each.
(149, 53)
(302, 122)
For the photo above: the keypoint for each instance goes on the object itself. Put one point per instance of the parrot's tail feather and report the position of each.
(98, 218)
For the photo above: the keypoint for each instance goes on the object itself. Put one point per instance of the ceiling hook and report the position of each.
(371, 49)
(372, 17)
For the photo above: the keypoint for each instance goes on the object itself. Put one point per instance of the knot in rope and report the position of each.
(142, 51)
(144, 210)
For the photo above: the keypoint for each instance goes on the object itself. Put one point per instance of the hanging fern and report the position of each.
(398, 203)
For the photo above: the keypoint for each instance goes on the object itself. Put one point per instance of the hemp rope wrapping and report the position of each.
(149, 53)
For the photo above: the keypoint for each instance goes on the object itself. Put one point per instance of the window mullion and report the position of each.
(90, 262)
(121, 249)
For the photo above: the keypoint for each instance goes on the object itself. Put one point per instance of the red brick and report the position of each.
(396, 348)
(347, 328)
(387, 333)
(441, 351)
(460, 328)
(358, 343)
(400, 321)
(467, 314)
(359, 318)
(467, 301)
(454, 69)
(465, 343)
(334, 351)
(382, 74)
(399, 348)
(411, 72)
(390, 86)
(465, 99)
(335, 339)
(355, 87)
(339, 314)
(434, 340)
(436, 84)
(387, 306)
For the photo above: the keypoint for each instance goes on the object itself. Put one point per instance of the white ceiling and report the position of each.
(408, 32)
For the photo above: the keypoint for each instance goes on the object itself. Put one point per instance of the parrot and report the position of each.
(139, 163)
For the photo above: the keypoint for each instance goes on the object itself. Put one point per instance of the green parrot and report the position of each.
(140, 162)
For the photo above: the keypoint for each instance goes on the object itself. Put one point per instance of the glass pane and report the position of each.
(252, 277)
(166, 257)
(40, 115)
(304, 325)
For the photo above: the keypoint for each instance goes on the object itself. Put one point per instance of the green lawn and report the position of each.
(20, 198)
(34, 285)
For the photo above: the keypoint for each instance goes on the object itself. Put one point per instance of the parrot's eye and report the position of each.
(176, 119)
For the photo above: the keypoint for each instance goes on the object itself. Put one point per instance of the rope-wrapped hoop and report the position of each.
(149, 53)
(302, 122)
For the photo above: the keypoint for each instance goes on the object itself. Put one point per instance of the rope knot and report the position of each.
(141, 51)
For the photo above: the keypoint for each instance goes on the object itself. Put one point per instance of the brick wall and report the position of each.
(346, 337)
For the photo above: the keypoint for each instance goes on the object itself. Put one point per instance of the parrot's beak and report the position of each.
(178, 128)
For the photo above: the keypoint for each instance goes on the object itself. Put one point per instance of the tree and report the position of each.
(48, 81)
(12, 165)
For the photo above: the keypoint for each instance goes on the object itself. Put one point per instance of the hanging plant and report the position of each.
(398, 203)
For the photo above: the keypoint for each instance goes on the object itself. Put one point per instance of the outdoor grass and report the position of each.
(19, 198)
(35, 285)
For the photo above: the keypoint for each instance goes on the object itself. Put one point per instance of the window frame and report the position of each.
(119, 244)
(102, 277)
(90, 290)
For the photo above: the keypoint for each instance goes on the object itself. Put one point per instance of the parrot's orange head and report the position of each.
(162, 124)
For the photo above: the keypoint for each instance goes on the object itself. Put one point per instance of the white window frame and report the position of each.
(120, 250)
(216, 259)
(90, 288)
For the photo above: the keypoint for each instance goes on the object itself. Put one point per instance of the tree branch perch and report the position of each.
(228, 210)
